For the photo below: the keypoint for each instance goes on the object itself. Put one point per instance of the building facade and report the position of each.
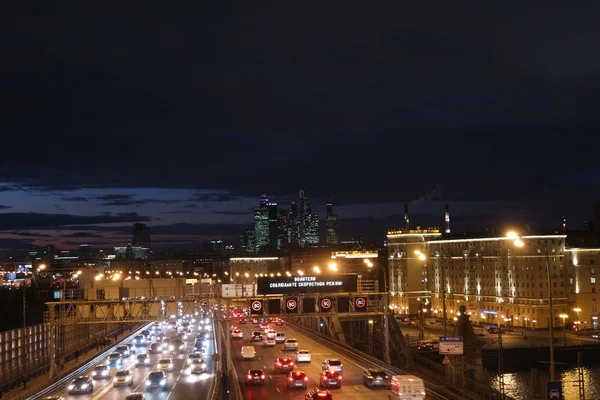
(331, 224)
(141, 235)
(581, 263)
(499, 279)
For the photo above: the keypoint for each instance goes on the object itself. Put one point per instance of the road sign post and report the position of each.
(554, 390)
(451, 345)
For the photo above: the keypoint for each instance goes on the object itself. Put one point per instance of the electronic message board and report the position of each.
(339, 283)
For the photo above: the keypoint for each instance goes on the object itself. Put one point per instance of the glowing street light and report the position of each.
(564, 318)
(300, 272)
(316, 269)
(333, 266)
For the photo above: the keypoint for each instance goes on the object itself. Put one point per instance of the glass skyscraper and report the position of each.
(331, 224)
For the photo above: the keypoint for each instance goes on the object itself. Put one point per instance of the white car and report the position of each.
(165, 364)
(194, 356)
(271, 334)
(303, 356)
(197, 367)
(237, 334)
(123, 377)
(290, 344)
(280, 337)
(269, 342)
(248, 352)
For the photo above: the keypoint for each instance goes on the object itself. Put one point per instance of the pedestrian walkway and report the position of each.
(43, 381)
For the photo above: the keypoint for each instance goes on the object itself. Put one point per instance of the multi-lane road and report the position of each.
(275, 384)
(180, 383)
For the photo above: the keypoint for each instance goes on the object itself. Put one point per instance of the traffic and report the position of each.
(300, 367)
(170, 359)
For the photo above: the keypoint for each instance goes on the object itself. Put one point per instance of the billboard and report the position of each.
(339, 283)
(238, 290)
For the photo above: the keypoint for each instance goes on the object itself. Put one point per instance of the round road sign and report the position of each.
(291, 304)
(257, 305)
(360, 302)
(326, 304)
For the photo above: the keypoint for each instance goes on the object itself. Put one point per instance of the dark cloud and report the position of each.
(10, 221)
(31, 234)
(231, 212)
(191, 206)
(16, 244)
(75, 198)
(213, 197)
(2, 207)
(9, 189)
(81, 235)
(199, 229)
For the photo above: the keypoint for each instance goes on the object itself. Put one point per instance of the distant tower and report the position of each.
(447, 218)
(312, 229)
(85, 252)
(293, 232)
(141, 235)
(331, 224)
(564, 225)
(261, 226)
(273, 225)
(406, 219)
(305, 216)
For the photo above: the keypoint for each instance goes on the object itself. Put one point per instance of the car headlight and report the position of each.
(171, 347)
(163, 382)
(204, 366)
(93, 373)
(84, 386)
(104, 373)
(147, 383)
(71, 387)
(115, 379)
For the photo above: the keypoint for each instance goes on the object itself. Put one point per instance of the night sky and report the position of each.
(182, 116)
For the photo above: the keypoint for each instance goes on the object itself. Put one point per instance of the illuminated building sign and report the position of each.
(307, 284)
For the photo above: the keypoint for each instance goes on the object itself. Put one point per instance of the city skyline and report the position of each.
(183, 128)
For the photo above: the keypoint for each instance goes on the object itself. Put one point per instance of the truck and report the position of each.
(406, 387)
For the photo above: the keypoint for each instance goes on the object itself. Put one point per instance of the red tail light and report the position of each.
(290, 379)
(306, 379)
(262, 377)
(322, 394)
(249, 376)
(325, 378)
(291, 363)
(339, 377)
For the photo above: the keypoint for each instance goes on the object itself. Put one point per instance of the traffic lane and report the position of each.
(276, 384)
(104, 388)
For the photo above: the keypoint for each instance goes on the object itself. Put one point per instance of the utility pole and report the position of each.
(442, 262)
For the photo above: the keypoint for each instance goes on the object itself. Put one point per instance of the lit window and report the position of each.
(592, 280)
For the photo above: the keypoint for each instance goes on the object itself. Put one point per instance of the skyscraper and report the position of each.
(261, 225)
(331, 224)
(305, 216)
(312, 229)
(282, 228)
(141, 235)
(293, 232)
(273, 225)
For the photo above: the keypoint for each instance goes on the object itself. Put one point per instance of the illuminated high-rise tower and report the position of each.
(305, 212)
(331, 224)
(261, 226)
(293, 228)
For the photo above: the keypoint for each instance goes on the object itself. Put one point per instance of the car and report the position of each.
(554, 394)
(248, 352)
(142, 360)
(283, 364)
(194, 356)
(139, 340)
(197, 367)
(132, 349)
(176, 345)
(135, 396)
(114, 359)
(255, 377)
(200, 336)
(303, 356)
(237, 334)
(123, 377)
(279, 322)
(318, 394)
(280, 337)
(290, 344)
(81, 384)
(146, 334)
(271, 334)
(101, 371)
(165, 364)
(156, 348)
(243, 321)
(256, 336)
(297, 379)
(376, 378)
(123, 351)
(330, 378)
(333, 364)
(156, 379)
(269, 342)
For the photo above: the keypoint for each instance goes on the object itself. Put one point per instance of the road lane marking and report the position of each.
(356, 387)
(278, 390)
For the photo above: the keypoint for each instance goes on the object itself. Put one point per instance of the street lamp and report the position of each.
(370, 265)
(333, 266)
(316, 269)
(564, 318)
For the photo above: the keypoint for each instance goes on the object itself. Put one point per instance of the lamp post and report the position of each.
(370, 265)
(564, 318)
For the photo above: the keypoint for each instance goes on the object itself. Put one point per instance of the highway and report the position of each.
(180, 383)
(275, 384)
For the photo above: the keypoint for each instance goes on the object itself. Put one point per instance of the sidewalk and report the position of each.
(43, 381)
